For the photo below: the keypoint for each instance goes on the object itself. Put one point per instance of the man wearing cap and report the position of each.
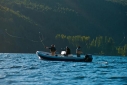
(78, 51)
(52, 49)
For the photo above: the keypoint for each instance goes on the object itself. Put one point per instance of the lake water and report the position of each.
(27, 69)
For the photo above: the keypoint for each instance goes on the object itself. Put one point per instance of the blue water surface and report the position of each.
(27, 69)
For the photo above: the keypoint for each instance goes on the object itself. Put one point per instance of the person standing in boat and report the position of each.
(52, 49)
(78, 51)
(68, 51)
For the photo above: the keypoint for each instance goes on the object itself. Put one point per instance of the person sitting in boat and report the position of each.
(78, 51)
(68, 51)
(52, 49)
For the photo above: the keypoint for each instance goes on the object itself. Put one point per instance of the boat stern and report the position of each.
(88, 58)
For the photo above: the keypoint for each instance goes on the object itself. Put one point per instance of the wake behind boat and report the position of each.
(61, 57)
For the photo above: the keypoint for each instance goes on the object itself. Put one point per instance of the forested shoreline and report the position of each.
(98, 26)
(101, 45)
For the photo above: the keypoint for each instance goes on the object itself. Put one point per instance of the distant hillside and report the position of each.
(123, 2)
(25, 23)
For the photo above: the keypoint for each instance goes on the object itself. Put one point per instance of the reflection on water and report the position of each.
(27, 69)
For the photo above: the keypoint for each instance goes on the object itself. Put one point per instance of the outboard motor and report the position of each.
(88, 58)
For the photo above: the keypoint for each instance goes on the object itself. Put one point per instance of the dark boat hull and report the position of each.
(47, 56)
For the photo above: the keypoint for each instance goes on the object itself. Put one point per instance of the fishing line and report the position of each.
(19, 37)
(41, 38)
(123, 39)
(12, 35)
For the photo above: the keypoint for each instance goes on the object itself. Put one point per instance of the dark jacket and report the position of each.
(68, 51)
(52, 49)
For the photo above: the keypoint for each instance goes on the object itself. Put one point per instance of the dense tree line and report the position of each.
(122, 50)
(25, 20)
(103, 45)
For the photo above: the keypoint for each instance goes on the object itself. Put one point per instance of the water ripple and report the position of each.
(27, 69)
(118, 77)
(2, 76)
(79, 77)
(16, 66)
